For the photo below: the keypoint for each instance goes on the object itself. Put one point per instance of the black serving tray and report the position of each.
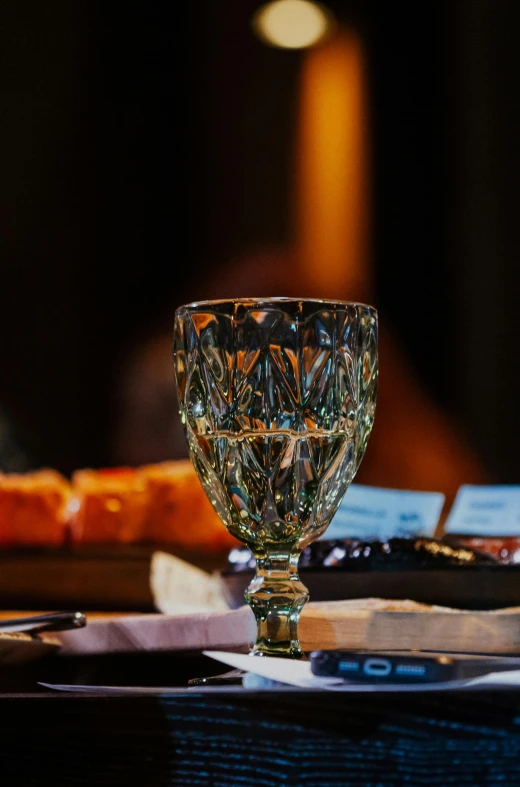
(463, 587)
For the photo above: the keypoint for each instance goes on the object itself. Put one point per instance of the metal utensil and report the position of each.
(53, 621)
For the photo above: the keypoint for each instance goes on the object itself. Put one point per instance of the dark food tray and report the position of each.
(465, 587)
(421, 569)
(118, 578)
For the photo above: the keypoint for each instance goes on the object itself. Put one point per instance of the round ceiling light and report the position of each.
(292, 24)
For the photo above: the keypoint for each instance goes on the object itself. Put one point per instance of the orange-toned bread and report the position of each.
(159, 504)
(33, 508)
(108, 506)
(178, 511)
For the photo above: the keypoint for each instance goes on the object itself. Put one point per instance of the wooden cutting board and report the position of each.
(360, 624)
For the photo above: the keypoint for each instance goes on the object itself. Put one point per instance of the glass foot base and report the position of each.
(232, 678)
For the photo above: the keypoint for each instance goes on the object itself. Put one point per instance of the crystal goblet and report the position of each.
(277, 398)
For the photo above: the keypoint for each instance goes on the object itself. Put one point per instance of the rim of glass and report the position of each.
(273, 299)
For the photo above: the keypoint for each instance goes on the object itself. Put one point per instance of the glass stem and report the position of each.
(277, 597)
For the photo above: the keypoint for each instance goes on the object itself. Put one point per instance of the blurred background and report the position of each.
(155, 153)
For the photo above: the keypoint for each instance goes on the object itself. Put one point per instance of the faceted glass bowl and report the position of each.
(277, 398)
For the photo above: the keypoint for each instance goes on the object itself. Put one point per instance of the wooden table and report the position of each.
(241, 738)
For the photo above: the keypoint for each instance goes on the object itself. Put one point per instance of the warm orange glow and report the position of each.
(332, 184)
(292, 24)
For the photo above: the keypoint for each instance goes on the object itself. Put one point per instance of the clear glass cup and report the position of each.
(277, 398)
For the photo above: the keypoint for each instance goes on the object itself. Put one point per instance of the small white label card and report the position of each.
(485, 511)
(369, 512)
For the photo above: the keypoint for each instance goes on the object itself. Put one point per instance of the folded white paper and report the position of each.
(298, 673)
(280, 674)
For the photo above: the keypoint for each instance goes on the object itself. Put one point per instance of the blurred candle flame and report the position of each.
(332, 171)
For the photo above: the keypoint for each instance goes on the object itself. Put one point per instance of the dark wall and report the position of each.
(46, 210)
(144, 144)
(486, 275)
